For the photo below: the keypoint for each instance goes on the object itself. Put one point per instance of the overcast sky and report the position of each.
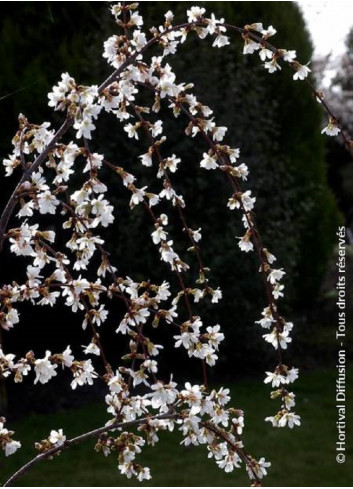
(329, 22)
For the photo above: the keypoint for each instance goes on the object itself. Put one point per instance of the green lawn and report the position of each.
(301, 457)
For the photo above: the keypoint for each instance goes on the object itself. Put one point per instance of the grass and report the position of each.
(301, 457)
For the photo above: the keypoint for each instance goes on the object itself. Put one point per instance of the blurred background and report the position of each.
(303, 182)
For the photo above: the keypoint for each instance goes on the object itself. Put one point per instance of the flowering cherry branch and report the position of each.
(60, 443)
(197, 411)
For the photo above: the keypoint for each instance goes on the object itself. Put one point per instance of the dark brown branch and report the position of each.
(78, 439)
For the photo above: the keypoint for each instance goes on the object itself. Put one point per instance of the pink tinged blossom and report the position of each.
(10, 164)
(167, 253)
(139, 40)
(277, 291)
(302, 72)
(131, 130)
(245, 243)
(157, 128)
(192, 396)
(59, 275)
(195, 13)
(170, 47)
(100, 316)
(163, 394)
(270, 258)
(137, 196)
(168, 193)
(101, 208)
(265, 53)
(44, 369)
(11, 318)
(221, 41)
(33, 275)
(269, 32)
(47, 203)
(241, 171)
(233, 154)
(144, 474)
(11, 447)
(209, 356)
(169, 16)
(94, 161)
(116, 10)
(258, 468)
(256, 26)
(289, 418)
(136, 19)
(153, 350)
(110, 48)
(167, 87)
(212, 24)
(229, 463)
(272, 66)
(275, 276)
(84, 128)
(159, 235)
(239, 424)
(67, 357)
(191, 439)
(289, 400)
(248, 201)
(289, 56)
(116, 383)
(22, 244)
(150, 365)
(331, 129)
(57, 96)
(26, 209)
(250, 46)
(273, 420)
(91, 111)
(275, 378)
(172, 163)
(128, 178)
(223, 396)
(57, 438)
(219, 133)
(88, 94)
(84, 375)
(163, 291)
(196, 235)
(278, 339)
(80, 285)
(38, 181)
(91, 349)
(146, 160)
(292, 375)
(218, 451)
(140, 316)
(208, 162)
(7, 366)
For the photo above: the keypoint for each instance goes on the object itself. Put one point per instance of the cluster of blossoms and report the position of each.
(9, 445)
(200, 414)
(46, 368)
(55, 440)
